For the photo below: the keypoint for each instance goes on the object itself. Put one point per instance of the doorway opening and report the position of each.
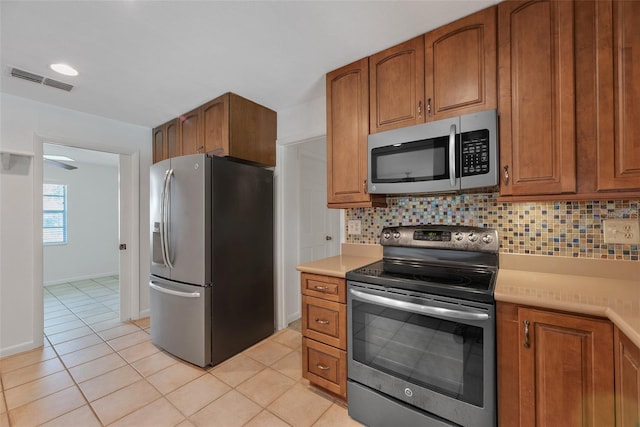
(83, 277)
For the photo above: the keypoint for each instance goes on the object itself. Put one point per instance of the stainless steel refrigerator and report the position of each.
(211, 285)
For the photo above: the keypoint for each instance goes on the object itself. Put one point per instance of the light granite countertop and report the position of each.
(604, 288)
(352, 256)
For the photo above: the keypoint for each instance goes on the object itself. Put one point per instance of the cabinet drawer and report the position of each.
(324, 321)
(325, 287)
(325, 366)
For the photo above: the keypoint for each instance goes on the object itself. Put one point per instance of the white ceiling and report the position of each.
(145, 62)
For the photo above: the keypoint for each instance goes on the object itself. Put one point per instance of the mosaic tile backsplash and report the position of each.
(569, 229)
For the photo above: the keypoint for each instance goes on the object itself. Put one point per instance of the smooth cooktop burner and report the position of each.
(475, 284)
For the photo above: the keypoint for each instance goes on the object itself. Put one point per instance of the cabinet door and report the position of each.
(215, 118)
(461, 66)
(174, 148)
(618, 63)
(347, 131)
(397, 86)
(627, 381)
(566, 372)
(537, 97)
(190, 132)
(159, 146)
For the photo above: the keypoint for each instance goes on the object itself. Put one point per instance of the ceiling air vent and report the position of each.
(25, 75)
(21, 74)
(57, 84)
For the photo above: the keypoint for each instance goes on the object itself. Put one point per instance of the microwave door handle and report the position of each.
(417, 308)
(452, 155)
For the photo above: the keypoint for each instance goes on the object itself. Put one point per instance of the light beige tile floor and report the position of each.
(95, 371)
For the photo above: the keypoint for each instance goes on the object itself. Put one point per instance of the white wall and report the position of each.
(299, 124)
(92, 224)
(23, 123)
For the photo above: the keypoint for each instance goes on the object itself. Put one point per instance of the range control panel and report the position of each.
(475, 153)
(442, 237)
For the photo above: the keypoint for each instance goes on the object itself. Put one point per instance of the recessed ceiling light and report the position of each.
(54, 157)
(65, 69)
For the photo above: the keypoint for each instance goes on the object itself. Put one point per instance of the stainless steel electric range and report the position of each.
(421, 329)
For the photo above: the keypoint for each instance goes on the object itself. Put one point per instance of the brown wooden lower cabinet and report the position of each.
(627, 363)
(554, 369)
(325, 366)
(324, 332)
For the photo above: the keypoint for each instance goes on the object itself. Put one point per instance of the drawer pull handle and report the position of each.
(322, 367)
(322, 322)
(321, 288)
(526, 334)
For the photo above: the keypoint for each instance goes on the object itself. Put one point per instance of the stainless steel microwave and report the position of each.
(447, 155)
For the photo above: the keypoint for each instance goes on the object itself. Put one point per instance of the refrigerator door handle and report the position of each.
(172, 292)
(166, 203)
(161, 228)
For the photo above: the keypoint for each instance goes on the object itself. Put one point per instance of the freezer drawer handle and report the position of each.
(172, 292)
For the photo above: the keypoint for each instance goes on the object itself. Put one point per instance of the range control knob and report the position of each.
(386, 235)
(473, 237)
(458, 236)
(487, 238)
(396, 234)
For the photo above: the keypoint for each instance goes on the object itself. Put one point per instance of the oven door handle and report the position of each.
(417, 308)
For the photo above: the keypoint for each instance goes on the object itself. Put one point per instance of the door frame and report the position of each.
(129, 225)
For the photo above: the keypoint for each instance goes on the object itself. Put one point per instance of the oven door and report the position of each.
(433, 353)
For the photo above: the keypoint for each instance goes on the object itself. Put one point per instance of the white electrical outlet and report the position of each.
(621, 231)
(354, 226)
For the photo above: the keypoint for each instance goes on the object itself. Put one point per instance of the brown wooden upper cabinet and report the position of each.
(396, 88)
(461, 66)
(568, 82)
(618, 74)
(537, 97)
(190, 132)
(237, 127)
(347, 130)
(229, 125)
(166, 141)
(447, 72)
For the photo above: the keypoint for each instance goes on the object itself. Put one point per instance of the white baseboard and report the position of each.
(19, 348)
(293, 317)
(144, 313)
(78, 278)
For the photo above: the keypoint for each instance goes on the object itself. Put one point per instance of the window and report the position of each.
(54, 214)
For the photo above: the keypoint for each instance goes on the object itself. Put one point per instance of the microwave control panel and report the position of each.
(475, 153)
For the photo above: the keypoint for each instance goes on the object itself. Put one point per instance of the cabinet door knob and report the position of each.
(429, 107)
(506, 175)
(420, 109)
(526, 334)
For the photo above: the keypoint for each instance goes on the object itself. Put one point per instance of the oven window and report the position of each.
(426, 160)
(440, 355)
